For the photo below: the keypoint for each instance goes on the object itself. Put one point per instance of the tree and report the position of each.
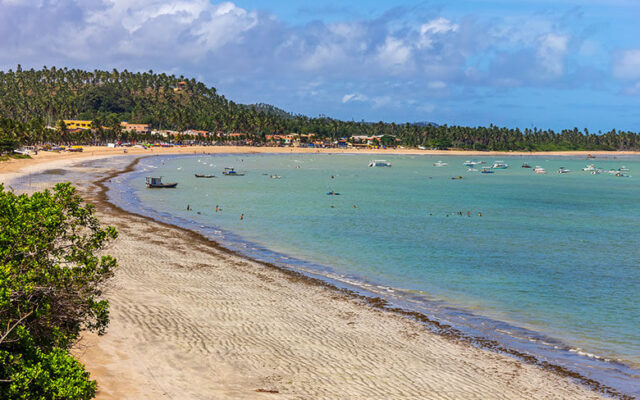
(50, 290)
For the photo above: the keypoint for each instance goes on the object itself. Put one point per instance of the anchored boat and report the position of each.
(153, 182)
(231, 172)
(379, 163)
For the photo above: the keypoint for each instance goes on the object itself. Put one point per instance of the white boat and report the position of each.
(440, 164)
(156, 182)
(500, 165)
(539, 170)
(623, 169)
(379, 163)
(472, 163)
(563, 170)
(231, 172)
(589, 168)
(472, 169)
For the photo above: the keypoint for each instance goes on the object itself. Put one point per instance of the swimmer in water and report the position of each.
(479, 214)
(241, 217)
(188, 208)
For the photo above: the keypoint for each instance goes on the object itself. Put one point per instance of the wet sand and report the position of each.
(192, 321)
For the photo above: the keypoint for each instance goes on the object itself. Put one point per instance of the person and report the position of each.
(241, 217)
(354, 206)
(468, 213)
(216, 208)
(479, 214)
(188, 207)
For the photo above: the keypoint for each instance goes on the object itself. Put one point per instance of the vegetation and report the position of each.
(32, 103)
(50, 289)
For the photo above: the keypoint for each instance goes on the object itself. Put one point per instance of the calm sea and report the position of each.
(549, 264)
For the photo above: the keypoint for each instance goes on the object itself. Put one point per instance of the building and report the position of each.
(141, 129)
(77, 124)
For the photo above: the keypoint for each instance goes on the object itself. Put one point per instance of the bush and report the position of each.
(50, 290)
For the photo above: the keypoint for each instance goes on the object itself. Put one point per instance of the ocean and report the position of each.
(548, 264)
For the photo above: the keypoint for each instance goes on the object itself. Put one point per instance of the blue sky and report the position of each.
(549, 64)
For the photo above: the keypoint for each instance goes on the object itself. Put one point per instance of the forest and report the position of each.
(34, 102)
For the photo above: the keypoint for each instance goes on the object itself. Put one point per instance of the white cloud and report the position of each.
(433, 28)
(394, 53)
(626, 65)
(551, 54)
(354, 97)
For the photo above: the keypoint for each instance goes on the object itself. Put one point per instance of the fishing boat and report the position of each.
(379, 163)
(539, 170)
(204, 176)
(440, 164)
(500, 165)
(153, 182)
(589, 168)
(231, 172)
(525, 165)
(563, 170)
(487, 171)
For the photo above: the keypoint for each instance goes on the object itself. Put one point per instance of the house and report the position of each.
(141, 129)
(77, 124)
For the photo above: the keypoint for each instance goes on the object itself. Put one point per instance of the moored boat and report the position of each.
(156, 182)
(525, 165)
(539, 170)
(589, 168)
(487, 171)
(563, 170)
(379, 163)
(500, 165)
(440, 164)
(231, 172)
(204, 176)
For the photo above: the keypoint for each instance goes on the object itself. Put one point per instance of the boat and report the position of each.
(275, 176)
(623, 169)
(525, 165)
(590, 156)
(332, 193)
(204, 176)
(231, 172)
(75, 149)
(500, 165)
(589, 168)
(440, 164)
(539, 170)
(487, 171)
(472, 169)
(153, 182)
(379, 163)
(621, 175)
(472, 163)
(563, 170)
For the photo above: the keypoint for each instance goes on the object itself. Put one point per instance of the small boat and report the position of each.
(589, 168)
(472, 169)
(500, 165)
(379, 163)
(472, 163)
(153, 182)
(204, 176)
(231, 172)
(525, 165)
(487, 171)
(332, 193)
(440, 164)
(623, 169)
(590, 156)
(275, 176)
(539, 170)
(563, 170)
(621, 175)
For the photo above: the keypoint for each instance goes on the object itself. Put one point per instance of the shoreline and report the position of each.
(452, 335)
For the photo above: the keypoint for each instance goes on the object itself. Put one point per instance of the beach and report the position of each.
(190, 320)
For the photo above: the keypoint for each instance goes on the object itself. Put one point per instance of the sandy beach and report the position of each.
(190, 320)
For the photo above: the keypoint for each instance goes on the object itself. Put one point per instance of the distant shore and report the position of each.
(15, 166)
(190, 320)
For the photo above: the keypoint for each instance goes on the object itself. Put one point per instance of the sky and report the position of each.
(516, 63)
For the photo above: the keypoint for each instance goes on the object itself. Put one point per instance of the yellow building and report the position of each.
(77, 124)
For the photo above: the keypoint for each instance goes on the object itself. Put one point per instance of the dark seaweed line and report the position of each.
(380, 303)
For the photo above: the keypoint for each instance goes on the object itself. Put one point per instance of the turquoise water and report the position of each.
(553, 258)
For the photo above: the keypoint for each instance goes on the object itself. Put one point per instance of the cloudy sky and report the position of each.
(516, 63)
